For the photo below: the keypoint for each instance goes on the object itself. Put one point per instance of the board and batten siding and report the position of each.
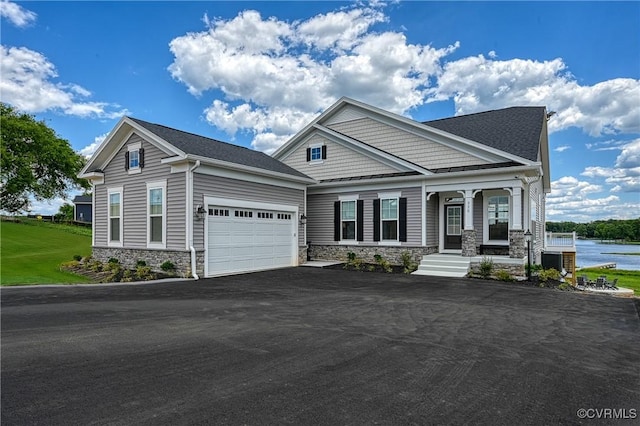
(341, 162)
(320, 216)
(419, 150)
(235, 189)
(134, 203)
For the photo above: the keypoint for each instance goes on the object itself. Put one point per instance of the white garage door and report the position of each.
(245, 239)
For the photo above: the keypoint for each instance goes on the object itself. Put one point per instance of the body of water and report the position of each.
(595, 253)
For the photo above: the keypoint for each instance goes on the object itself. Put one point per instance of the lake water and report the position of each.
(595, 253)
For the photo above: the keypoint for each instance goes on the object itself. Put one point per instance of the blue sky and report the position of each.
(254, 73)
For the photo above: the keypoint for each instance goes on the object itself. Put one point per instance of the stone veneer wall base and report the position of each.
(153, 258)
(393, 254)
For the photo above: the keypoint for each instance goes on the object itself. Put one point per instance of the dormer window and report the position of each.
(316, 153)
(134, 158)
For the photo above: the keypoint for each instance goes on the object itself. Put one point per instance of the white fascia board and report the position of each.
(485, 175)
(287, 147)
(255, 171)
(122, 132)
(96, 178)
(375, 153)
(98, 152)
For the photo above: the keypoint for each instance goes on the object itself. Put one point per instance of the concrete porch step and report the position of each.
(444, 265)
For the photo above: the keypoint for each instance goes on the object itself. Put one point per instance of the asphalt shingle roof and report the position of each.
(82, 199)
(515, 130)
(211, 148)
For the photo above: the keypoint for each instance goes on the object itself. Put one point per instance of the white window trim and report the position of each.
(115, 190)
(485, 206)
(137, 146)
(320, 160)
(343, 198)
(390, 196)
(155, 185)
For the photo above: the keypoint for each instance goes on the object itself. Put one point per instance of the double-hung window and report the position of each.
(498, 217)
(348, 215)
(114, 213)
(389, 219)
(156, 214)
(348, 219)
(134, 158)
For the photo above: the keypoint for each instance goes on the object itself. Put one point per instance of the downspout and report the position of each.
(190, 218)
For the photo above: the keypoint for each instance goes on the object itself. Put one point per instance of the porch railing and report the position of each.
(560, 241)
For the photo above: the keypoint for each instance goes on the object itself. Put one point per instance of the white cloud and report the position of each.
(276, 75)
(562, 148)
(580, 201)
(27, 84)
(479, 84)
(625, 176)
(88, 150)
(19, 16)
(265, 66)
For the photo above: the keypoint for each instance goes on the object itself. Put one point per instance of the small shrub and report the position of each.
(96, 266)
(371, 268)
(504, 275)
(353, 262)
(127, 276)
(486, 267)
(565, 286)
(141, 263)
(113, 260)
(407, 263)
(546, 275)
(167, 266)
(143, 273)
(77, 257)
(383, 263)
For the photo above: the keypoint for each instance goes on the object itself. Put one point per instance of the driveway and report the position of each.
(312, 346)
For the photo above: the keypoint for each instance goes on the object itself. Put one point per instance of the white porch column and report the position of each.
(516, 207)
(468, 208)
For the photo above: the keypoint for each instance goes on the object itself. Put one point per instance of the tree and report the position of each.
(34, 161)
(65, 213)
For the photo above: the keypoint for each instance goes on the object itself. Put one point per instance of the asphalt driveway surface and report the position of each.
(311, 346)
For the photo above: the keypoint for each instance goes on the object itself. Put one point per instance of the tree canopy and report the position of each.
(612, 229)
(34, 161)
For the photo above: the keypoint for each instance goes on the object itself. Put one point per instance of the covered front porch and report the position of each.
(485, 218)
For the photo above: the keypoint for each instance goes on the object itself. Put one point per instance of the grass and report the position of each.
(31, 252)
(626, 279)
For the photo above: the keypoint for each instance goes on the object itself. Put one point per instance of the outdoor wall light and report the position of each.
(200, 211)
(303, 219)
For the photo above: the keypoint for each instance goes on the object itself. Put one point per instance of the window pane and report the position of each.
(156, 229)
(348, 210)
(390, 230)
(498, 216)
(134, 159)
(349, 230)
(114, 204)
(115, 229)
(155, 201)
(390, 209)
(316, 153)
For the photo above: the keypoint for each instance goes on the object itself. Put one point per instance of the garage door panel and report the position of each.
(241, 239)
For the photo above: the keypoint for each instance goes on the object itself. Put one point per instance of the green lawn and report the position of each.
(626, 279)
(32, 253)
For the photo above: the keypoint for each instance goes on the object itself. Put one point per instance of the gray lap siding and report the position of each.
(134, 202)
(222, 187)
(320, 225)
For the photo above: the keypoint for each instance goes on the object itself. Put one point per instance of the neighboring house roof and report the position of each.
(515, 130)
(202, 146)
(82, 199)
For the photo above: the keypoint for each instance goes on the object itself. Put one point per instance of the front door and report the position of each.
(453, 231)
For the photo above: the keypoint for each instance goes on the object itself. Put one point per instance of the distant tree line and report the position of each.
(612, 229)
